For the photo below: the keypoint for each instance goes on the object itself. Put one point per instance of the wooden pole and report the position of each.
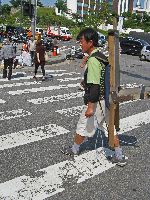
(112, 84)
(113, 39)
(117, 78)
(114, 60)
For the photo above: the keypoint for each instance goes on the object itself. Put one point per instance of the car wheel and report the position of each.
(142, 58)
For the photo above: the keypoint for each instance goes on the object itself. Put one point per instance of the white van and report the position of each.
(39, 30)
(65, 33)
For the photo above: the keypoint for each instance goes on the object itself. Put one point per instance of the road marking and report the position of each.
(20, 84)
(42, 89)
(52, 180)
(130, 101)
(71, 111)
(13, 114)
(126, 124)
(69, 79)
(56, 98)
(48, 131)
(70, 74)
(2, 101)
(30, 135)
(134, 121)
(22, 76)
(131, 85)
(54, 71)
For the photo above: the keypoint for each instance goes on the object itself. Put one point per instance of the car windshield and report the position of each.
(63, 31)
(148, 48)
(144, 43)
(68, 32)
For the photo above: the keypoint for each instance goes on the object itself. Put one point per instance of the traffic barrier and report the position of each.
(55, 52)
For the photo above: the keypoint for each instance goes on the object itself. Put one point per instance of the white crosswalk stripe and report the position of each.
(23, 76)
(56, 98)
(20, 84)
(31, 135)
(42, 89)
(14, 114)
(2, 101)
(52, 179)
(49, 181)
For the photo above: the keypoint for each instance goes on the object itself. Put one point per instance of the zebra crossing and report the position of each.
(35, 114)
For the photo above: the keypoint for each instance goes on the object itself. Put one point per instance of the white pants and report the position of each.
(87, 126)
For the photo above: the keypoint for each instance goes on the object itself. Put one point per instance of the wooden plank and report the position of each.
(111, 125)
(117, 117)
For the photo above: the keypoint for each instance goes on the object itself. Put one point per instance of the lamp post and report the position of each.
(0, 7)
(33, 18)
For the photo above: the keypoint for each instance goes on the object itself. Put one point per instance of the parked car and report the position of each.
(101, 39)
(132, 46)
(145, 53)
(74, 53)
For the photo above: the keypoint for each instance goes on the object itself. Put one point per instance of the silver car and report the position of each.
(145, 53)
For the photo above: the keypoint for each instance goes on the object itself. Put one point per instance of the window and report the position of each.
(148, 48)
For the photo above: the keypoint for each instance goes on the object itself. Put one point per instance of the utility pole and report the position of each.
(0, 8)
(115, 10)
(21, 13)
(33, 17)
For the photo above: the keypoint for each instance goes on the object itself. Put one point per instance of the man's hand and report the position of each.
(90, 110)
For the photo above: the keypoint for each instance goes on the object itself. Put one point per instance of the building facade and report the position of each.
(147, 5)
(82, 7)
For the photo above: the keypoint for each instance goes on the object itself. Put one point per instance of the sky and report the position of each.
(52, 2)
(44, 2)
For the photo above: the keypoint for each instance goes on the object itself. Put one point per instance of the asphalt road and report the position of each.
(38, 118)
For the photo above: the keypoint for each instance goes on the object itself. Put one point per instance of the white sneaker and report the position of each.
(43, 78)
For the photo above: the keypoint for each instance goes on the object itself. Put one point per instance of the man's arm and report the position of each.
(94, 92)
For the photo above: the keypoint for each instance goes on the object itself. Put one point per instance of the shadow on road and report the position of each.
(135, 75)
(100, 140)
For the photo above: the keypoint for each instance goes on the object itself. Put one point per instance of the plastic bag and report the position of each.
(26, 58)
(46, 56)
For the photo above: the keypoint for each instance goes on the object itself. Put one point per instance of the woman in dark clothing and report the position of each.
(39, 58)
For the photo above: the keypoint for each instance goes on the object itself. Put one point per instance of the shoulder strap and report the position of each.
(101, 57)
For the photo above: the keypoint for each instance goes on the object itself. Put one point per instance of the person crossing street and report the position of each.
(8, 55)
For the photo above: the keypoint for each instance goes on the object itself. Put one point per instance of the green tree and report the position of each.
(17, 3)
(6, 9)
(61, 5)
(98, 16)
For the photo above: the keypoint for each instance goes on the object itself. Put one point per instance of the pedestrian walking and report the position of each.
(8, 55)
(39, 58)
(95, 113)
(32, 45)
(25, 46)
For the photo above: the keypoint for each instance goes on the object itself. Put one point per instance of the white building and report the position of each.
(82, 6)
(72, 5)
(147, 5)
(142, 10)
